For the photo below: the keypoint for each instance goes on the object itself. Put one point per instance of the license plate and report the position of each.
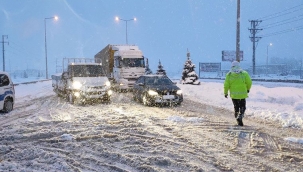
(168, 97)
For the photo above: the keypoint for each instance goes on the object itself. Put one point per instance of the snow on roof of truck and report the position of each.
(84, 63)
(129, 53)
(125, 47)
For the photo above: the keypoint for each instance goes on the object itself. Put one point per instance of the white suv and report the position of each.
(7, 93)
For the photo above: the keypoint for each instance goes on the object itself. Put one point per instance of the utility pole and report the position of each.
(4, 36)
(238, 32)
(253, 30)
(301, 77)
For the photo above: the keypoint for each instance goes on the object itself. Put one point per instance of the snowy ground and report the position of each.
(45, 133)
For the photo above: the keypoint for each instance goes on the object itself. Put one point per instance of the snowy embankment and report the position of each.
(281, 102)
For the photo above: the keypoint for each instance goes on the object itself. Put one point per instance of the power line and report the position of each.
(282, 14)
(282, 22)
(13, 52)
(275, 15)
(283, 31)
(21, 50)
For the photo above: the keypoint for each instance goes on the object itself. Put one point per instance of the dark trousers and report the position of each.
(239, 106)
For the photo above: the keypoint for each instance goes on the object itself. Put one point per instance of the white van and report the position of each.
(7, 93)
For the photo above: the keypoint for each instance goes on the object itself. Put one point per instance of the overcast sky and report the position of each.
(164, 30)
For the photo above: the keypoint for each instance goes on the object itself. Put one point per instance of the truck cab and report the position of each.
(129, 65)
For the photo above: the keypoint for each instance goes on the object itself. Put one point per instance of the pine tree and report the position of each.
(160, 70)
(148, 71)
(189, 75)
(25, 74)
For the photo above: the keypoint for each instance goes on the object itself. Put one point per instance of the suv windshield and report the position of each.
(4, 80)
(158, 81)
(87, 71)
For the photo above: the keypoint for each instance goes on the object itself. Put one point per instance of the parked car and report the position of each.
(7, 93)
(156, 89)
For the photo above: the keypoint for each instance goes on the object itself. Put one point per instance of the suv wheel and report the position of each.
(145, 100)
(71, 98)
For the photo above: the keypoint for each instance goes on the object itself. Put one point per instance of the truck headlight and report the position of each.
(179, 92)
(77, 94)
(152, 93)
(107, 83)
(77, 85)
(110, 92)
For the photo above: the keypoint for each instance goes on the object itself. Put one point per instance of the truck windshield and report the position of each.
(133, 62)
(87, 71)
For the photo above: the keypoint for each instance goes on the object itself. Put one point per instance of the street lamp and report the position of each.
(117, 19)
(270, 44)
(56, 18)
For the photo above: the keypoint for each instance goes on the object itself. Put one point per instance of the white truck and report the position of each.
(82, 80)
(123, 64)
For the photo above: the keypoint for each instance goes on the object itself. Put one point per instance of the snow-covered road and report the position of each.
(45, 133)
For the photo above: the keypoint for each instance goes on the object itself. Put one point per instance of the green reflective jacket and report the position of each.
(237, 84)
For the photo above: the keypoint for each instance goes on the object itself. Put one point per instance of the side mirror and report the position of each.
(175, 83)
(65, 75)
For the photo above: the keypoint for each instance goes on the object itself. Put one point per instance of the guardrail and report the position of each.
(32, 82)
(268, 80)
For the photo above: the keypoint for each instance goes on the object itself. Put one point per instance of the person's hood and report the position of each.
(235, 67)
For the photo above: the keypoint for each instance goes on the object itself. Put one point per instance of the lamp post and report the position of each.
(270, 44)
(117, 19)
(56, 18)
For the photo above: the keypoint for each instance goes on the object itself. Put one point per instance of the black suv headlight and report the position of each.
(152, 93)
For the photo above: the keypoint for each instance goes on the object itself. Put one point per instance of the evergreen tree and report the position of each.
(148, 71)
(189, 75)
(160, 70)
(25, 74)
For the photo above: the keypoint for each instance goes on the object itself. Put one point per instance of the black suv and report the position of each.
(157, 89)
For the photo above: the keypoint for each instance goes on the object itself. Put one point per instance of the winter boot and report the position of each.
(239, 119)
(241, 116)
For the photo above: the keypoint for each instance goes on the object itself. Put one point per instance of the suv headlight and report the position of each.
(152, 93)
(77, 85)
(179, 92)
(107, 83)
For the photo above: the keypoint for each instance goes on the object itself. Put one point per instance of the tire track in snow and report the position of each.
(127, 136)
(26, 109)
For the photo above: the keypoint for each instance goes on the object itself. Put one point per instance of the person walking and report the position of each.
(237, 83)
